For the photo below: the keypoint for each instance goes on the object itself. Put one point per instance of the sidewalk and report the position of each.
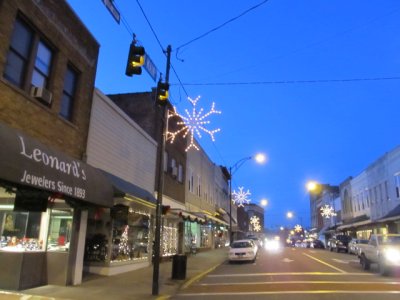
(131, 285)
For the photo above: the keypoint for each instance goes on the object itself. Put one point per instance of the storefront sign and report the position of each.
(25, 161)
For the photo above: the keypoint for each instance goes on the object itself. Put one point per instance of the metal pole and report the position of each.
(160, 183)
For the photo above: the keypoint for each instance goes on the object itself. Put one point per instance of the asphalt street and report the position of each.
(294, 273)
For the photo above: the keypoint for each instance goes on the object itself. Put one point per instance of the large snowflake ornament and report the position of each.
(327, 211)
(193, 123)
(240, 198)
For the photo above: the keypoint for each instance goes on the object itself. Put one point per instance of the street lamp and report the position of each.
(259, 158)
(264, 202)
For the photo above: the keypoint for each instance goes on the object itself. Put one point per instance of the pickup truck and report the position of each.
(382, 249)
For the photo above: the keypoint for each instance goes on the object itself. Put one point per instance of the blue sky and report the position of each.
(293, 79)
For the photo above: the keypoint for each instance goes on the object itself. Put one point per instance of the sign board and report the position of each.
(150, 67)
(112, 9)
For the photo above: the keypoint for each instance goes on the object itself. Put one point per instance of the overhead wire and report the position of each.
(289, 81)
(222, 25)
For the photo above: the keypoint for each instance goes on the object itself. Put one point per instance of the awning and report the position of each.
(357, 224)
(124, 188)
(216, 219)
(188, 216)
(24, 161)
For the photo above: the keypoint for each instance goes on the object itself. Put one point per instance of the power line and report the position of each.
(222, 25)
(289, 81)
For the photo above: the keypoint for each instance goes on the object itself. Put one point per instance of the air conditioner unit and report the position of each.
(174, 171)
(42, 94)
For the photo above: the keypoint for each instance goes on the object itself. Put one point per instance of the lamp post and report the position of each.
(259, 158)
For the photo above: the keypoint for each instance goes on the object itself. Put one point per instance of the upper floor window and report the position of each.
(191, 181)
(18, 54)
(29, 61)
(68, 96)
(397, 184)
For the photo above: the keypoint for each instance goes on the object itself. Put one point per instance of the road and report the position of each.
(294, 274)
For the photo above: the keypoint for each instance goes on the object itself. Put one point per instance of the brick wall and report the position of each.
(72, 44)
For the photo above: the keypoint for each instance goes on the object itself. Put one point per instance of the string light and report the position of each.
(193, 123)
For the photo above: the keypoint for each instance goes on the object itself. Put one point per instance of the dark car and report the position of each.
(339, 243)
(317, 244)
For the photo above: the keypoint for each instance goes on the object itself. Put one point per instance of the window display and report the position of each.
(60, 229)
(131, 237)
(30, 230)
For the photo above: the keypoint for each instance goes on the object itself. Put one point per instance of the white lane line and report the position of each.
(324, 263)
(291, 273)
(288, 292)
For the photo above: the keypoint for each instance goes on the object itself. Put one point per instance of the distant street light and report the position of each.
(259, 158)
(289, 215)
(264, 202)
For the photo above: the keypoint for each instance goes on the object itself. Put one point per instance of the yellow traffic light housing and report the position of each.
(135, 60)
(162, 93)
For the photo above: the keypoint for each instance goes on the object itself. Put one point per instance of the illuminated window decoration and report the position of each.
(193, 123)
(240, 198)
(327, 211)
(298, 228)
(123, 247)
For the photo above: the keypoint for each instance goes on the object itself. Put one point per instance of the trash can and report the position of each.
(179, 266)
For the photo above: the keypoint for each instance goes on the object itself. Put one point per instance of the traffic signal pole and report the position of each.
(160, 184)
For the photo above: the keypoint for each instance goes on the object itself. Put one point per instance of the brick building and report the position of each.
(48, 64)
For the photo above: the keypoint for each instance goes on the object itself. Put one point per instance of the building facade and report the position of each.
(48, 62)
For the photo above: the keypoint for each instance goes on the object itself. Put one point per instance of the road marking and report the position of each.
(292, 273)
(345, 261)
(324, 263)
(199, 276)
(289, 292)
(300, 282)
(287, 260)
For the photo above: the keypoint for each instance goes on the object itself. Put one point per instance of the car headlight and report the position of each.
(392, 255)
(340, 243)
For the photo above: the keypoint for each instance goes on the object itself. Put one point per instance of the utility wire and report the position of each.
(222, 25)
(290, 81)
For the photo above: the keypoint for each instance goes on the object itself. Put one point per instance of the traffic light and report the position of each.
(165, 209)
(162, 93)
(135, 60)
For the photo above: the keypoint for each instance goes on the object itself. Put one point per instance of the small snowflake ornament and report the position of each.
(257, 227)
(240, 198)
(327, 211)
(298, 228)
(254, 220)
(193, 123)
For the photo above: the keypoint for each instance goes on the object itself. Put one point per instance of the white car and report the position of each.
(243, 250)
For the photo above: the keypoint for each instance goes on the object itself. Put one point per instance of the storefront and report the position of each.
(119, 239)
(44, 199)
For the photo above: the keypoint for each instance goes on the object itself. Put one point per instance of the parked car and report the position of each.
(353, 246)
(339, 242)
(255, 239)
(243, 250)
(382, 249)
(317, 244)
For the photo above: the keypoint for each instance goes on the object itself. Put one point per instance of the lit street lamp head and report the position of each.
(260, 158)
(264, 202)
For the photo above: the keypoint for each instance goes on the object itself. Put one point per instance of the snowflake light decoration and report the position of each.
(240, 198)
(254, 220)
(298, 228)
(193, 123)
(327, 211)
(257, 227)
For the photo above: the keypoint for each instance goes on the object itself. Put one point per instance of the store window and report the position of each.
(130, 236)
(60, 226)
(23, 229)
